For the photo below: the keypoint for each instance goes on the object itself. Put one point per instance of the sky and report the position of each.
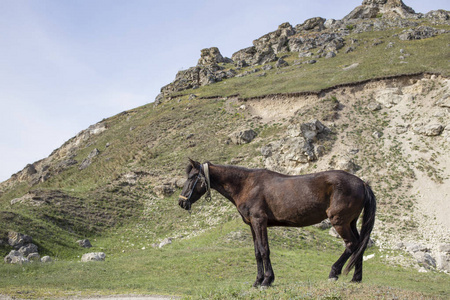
(65, 65)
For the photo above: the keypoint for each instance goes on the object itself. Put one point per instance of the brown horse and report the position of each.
(265, 198)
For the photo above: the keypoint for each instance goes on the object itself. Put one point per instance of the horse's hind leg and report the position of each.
(351, 242)
(357, 275)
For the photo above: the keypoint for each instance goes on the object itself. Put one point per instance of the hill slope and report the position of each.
(381, 100)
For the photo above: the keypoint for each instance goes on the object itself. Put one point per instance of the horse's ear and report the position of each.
(194, 164)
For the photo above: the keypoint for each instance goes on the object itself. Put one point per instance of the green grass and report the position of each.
(214, 266)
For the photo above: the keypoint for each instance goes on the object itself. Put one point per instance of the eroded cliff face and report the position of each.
(394, 133)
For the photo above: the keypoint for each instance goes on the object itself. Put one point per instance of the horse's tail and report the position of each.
(370, 208)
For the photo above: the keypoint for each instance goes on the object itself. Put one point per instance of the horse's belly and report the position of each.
(298, 216)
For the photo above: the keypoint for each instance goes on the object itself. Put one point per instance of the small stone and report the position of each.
(374, 106)
(165, 242)
(46, 259)
(34, 257)
(377, 134)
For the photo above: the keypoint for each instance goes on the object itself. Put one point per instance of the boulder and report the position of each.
(389, 97)
(425, 259)
(413, 247)
(15, 257)
(84, 243)
(34, 257)
(311, 129)
(281, 63)
(316, 24)
(93, 256)
(330, 54)
(443, 262)
(27, 249)
(432, 129)
(325, 224)
(17, 240)
(243, 136)
(444, 101)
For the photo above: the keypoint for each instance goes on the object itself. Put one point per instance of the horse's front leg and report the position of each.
(259, 261)
(259, 229)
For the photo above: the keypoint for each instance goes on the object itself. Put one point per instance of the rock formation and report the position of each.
(376, 8)
(317, 32)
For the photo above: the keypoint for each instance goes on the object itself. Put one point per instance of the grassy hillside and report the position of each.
(212, 255)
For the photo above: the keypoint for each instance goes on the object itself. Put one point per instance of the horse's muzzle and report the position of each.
(183, 203)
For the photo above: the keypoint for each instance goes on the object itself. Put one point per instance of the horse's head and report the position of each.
(195, 186)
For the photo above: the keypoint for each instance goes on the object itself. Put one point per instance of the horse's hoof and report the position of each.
(332, 279)
(267, 282)
(257, 282)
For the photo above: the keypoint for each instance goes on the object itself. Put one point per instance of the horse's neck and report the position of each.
(226, 180)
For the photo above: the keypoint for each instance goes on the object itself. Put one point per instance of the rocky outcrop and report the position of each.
(88, 160)
(206, 72)
(438, 15)
(375, 8)
(317, 32)
(314, 24)
(426, 258)
(25, 251)
(273, 43)
(17, 239)
(210, 56)
(293, 152)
